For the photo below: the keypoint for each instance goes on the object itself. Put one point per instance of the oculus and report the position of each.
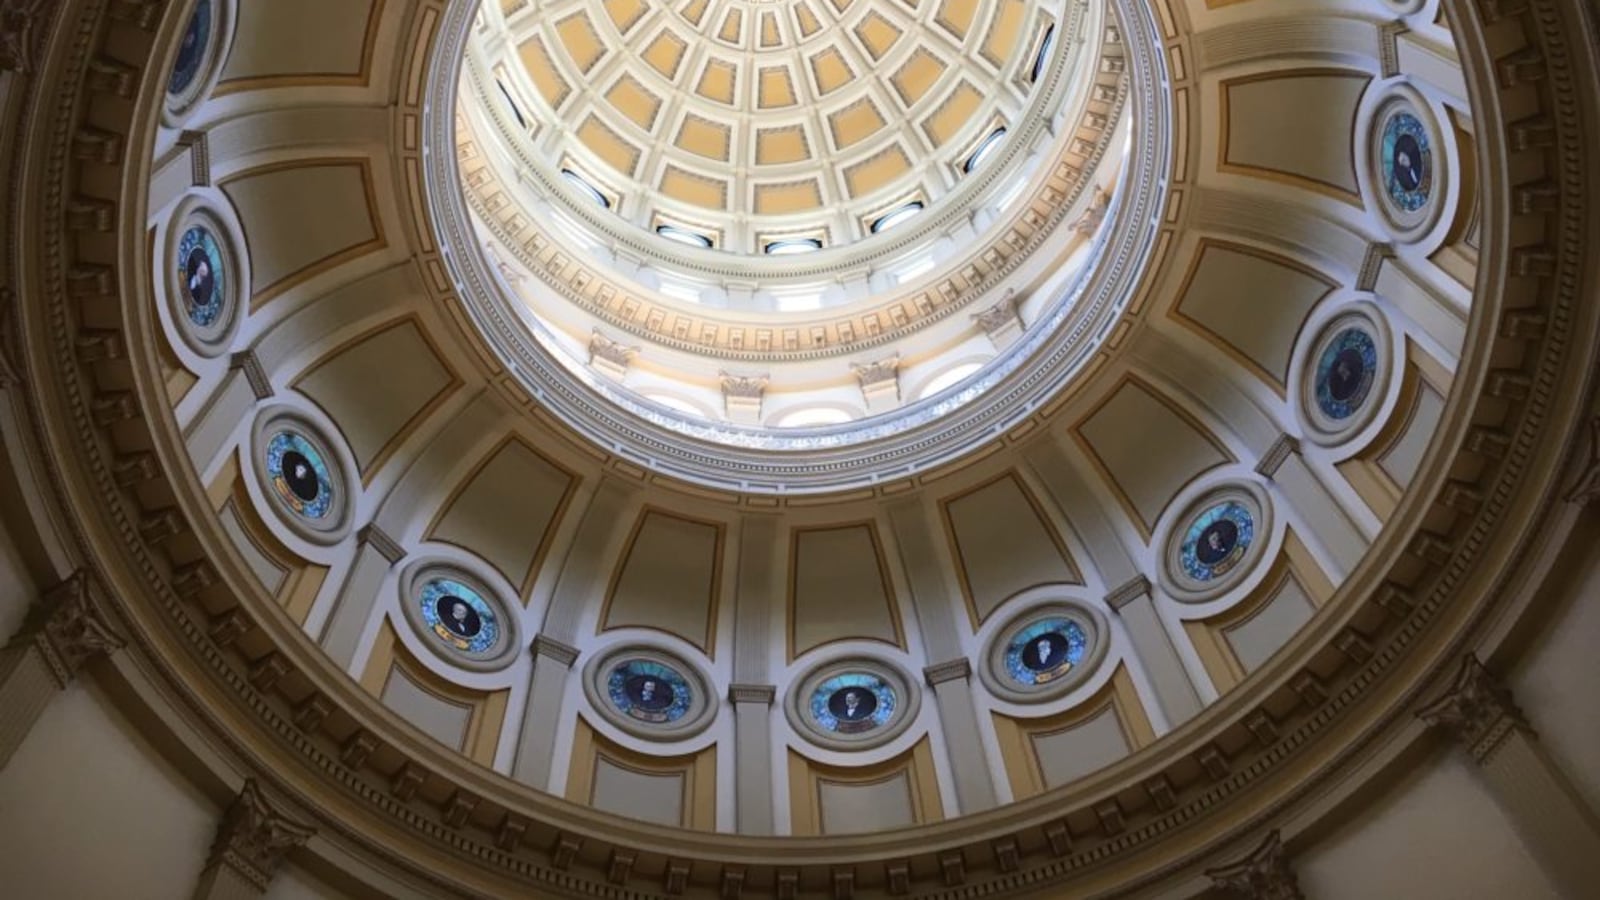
(458, 616)
(1406, 161)
(1045, 651)
(852, 704)
(1343, 374)
(192, 51)
(304, 481)
(202, 275)
(649, 693)
(1215, 542)
(299, 474)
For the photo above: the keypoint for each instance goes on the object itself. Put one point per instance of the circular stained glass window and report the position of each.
(192, 52)
(299, 474)
(202, 276)
(1045, 651)
(1406, 161)
(458, 615)
(1216, 541)
(649, 691)
(852, 703)
(1346, 370)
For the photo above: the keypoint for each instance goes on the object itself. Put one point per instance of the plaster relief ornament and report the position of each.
(1346, 371)
(649, 691)
(300, 476)
(202, 275)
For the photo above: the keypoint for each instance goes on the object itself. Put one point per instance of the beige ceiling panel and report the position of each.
(625, 13)
(995, 563)
(542, 72)
(1257, 327)
(1072, 752)
(769, 30)
(634, 101)
(776, 146)
(664, 53)
(581, 41)
(1147, 447)
(1403, 457)
(668, 578)
(956, 16)
(303, 218)
(858, 807)
(732, 26)
(915, 78)
(878, 34)
(776, 88)
(876, 171)
(377, 388)
(440, 719)
(855, 123)
(1000, 44)
(694, 11)
(648, 796)
(1294, 126)
(790, 197)
(696, 190)
(1255, 639)
(507, 510)
(718, 81)
(955, 111)
(611, 147)
(338, 49)
(704, 138)
(838, 588)
(806, 20)
(830, 71)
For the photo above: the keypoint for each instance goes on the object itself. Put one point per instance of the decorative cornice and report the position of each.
(255, 836)
(378, 539)
(1263, 875)
(1127, 592)
(245, 361)
(1477, 710)
(1276, 456)
(949, 670)
(752, 693)
(550, 648)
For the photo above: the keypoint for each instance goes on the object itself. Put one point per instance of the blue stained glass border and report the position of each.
(1077, 640)
(617, 693)
(199, 237)
(282, 442)
(1351, 338)
(441, 586)
(1398, 125)
(887, 702)
(1188, 554)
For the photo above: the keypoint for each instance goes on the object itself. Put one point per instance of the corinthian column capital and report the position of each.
(1476, 709)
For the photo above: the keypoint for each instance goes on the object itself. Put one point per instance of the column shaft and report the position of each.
(1175, 692)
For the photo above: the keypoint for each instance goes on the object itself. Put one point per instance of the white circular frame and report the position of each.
(176, 108)
(340, 462)
(1185, 589)
(797, 702)
(215, 340)
(1405, 227)
(503, 654)
(702, 709)
(993, 672)
(1319, 427)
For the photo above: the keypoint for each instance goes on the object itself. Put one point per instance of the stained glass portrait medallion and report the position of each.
(649, 691)
(1045, 651)
(852, 703)
(299, 475)
(1216, 540)
(1346, 370)
(202, 276)
(458, 615)
(192, 52)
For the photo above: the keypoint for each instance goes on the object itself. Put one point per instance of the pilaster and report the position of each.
(1536, 795)
(752, 749)
(376, 554)
(1133, 603)
(536, 743)
(250, 846)
(952, 689)
(63, 632)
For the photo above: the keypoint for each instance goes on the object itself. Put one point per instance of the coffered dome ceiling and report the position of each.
(435, 487)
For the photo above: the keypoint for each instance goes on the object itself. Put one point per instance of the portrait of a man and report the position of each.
(458, 616)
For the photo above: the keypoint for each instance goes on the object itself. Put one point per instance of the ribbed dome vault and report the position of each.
(1068, 529)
